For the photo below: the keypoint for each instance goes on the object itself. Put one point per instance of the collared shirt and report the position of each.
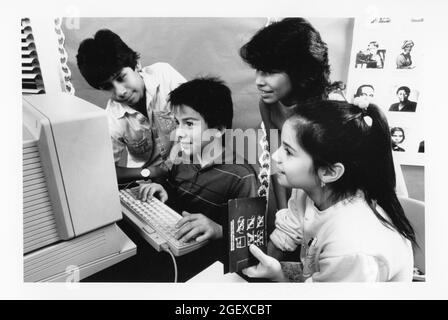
(146, 140)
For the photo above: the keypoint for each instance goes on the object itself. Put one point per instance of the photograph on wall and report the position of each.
(406, 100)
(372, 57)
(407, 141)
(386, 70)
(398, 136)
(404, 59)
(366, 90)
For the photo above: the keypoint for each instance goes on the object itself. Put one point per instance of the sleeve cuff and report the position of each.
(282, 241)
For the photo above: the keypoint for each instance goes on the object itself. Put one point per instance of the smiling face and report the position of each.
(295, 165)
(190, 128)
(274, 86)
(125, 87)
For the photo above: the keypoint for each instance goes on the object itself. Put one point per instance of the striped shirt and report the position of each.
(207, 189)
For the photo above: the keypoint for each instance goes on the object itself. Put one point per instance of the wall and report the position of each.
(203, 46)
(414, 177)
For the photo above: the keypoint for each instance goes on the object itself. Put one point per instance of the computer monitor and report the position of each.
(69, 179)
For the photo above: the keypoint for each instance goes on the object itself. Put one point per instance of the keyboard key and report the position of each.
(158, 221)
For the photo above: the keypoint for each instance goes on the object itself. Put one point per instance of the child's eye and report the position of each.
(263, 73)
(121, 76)
(288, 153)
(189, 124)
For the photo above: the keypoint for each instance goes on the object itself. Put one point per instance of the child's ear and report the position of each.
(332, 173)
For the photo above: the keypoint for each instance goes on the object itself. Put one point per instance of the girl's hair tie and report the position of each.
(363, 103)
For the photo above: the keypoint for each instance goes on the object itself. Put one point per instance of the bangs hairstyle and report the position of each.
(335, 131)
(208, 96)
(292, 46)
(103, 56)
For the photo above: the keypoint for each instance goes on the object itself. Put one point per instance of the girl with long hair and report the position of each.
(343, 211)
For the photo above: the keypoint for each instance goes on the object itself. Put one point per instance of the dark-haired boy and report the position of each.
(211, 173)
(139, 121)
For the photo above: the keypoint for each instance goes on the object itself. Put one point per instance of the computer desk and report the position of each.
(149, 265)
(215, 273)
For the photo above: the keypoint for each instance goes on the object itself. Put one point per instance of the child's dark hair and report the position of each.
(104, 55)
(293, 46)
(336, 131)
(208, 96)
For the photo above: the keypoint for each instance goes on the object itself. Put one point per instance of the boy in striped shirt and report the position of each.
(207, 172)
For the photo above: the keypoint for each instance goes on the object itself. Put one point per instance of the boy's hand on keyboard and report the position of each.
(149, 190)
(197, 226)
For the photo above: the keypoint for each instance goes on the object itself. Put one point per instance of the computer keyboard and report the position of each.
(156, 222)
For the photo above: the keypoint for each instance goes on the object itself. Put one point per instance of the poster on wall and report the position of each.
(386, 66)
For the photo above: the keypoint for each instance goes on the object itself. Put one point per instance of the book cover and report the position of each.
(246, 225)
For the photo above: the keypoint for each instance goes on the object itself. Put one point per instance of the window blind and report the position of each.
(32, 82)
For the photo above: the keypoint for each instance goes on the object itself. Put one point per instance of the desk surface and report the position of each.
(148, 265)
(215, 273)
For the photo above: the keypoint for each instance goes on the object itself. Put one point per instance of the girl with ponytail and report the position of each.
(291, 65)
(343, 211)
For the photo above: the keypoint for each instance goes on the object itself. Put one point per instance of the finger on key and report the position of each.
(163, 196)
(183, 230)
(191, 235)
(187, 218)
(142, 191)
